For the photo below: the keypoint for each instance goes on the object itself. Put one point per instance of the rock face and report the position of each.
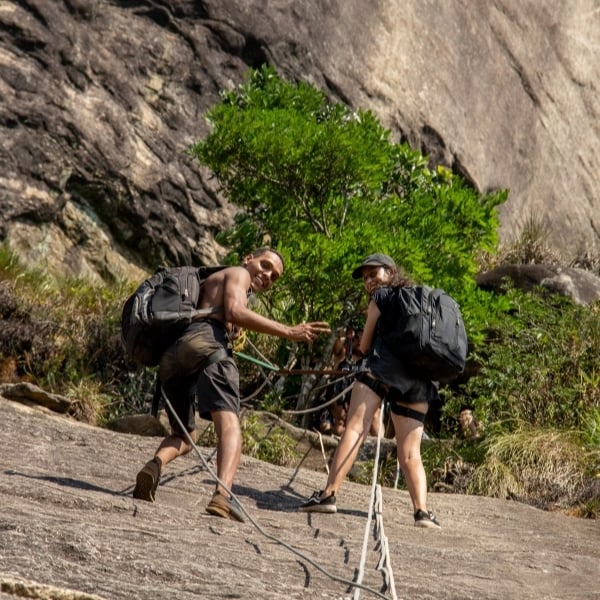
(581, 286)
(99, 101)
(70, 529)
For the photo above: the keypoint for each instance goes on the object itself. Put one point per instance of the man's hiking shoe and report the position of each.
(221, 506)
(147, 480)
(317, 504)
(426, 519)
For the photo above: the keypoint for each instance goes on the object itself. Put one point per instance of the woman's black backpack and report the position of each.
(428, 334)
(156, 314)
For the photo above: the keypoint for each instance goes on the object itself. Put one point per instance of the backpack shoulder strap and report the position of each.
(201, 313)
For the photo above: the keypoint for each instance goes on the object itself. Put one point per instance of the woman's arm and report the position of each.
(366, 341)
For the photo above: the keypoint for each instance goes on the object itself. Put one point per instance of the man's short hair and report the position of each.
(264, 249)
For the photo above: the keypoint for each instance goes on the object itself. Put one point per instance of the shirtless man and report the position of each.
(187, 379)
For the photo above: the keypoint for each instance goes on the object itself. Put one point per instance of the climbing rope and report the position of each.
(263, 362)
(316, 408)
(273, 538)
(259, 353)
(374, 484)
(323, 452)
(375, 504)
(384, 565)
(380, 536)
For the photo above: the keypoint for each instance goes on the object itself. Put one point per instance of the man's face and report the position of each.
(264, 270)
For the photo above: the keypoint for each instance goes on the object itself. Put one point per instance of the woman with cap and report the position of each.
(382, 378)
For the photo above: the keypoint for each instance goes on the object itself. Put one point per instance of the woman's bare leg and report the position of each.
(363, 404)
(409, 433)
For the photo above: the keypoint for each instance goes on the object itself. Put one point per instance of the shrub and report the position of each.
(539, 367)
(64, 335)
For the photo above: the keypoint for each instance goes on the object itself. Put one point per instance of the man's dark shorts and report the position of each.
(189, 384)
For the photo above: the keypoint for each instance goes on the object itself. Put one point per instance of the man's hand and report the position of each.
(307, 332)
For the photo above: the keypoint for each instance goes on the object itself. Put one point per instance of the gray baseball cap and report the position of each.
(374, 260)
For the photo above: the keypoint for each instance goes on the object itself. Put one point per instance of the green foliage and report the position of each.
(546, 468)
(537, 392)
(272, 445)
(326, 186)
(267, 443)
(540, 367)
(63, 335)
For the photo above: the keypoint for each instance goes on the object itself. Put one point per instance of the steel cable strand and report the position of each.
(255, 523)
(256, 392)
(323, 452)
(260, 354)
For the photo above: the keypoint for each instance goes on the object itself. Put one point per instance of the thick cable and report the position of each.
(397, 479)
(255, 392)
(323, 452)
(385, 564)
(316, 408)
(253, 522)
(260, 354)
(363, 556)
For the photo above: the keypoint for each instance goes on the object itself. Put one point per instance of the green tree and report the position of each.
(325, 185)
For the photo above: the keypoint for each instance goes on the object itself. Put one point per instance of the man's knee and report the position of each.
(186, 437)
(225, 422)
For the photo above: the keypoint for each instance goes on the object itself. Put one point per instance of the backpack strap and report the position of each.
(201, 313)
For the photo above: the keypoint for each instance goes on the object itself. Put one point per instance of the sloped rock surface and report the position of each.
(68, 524)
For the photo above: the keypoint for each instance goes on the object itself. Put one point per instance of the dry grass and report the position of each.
(543, 468)
(531, 245)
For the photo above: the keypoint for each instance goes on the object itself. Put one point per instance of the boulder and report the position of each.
(582, 286)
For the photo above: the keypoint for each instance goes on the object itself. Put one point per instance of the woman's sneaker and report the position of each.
(426, 519)
(317, 504)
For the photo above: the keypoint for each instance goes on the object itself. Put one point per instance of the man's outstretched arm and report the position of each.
(235, 303)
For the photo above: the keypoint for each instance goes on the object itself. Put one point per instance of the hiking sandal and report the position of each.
(221, 506)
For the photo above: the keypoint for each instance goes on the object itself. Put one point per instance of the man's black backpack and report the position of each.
(160, 309)
(429, 334)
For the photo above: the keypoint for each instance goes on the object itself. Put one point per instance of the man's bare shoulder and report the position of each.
(231, 281)
(230, 273)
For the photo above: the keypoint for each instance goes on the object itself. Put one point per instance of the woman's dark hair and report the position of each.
(399, 278)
